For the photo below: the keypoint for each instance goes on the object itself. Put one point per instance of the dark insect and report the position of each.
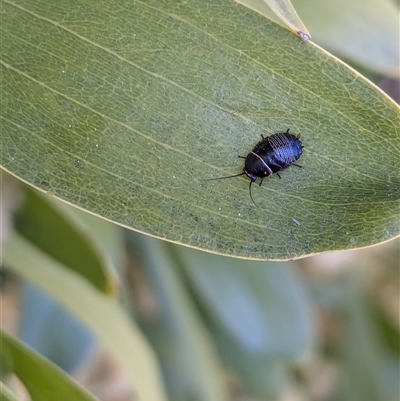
(271, 155)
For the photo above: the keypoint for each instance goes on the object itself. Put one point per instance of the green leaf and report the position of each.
(43, 380)
(374, 376)
(6, 394)
(254, 309)
(125, 108)
(365, 32)
(284, 10)
(190, 360)
(258, 304)
(50, 226)
(100, 313)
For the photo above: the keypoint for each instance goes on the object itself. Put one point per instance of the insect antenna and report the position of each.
(251, 181)
(223, 178)
(232, 176)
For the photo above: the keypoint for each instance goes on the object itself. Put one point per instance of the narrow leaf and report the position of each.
(284, 10)
(50, 227)
(200, 374)
(365, 32)
(259, 314)
(259, 305)
(43, 380)
(102, 314)
(6, 394)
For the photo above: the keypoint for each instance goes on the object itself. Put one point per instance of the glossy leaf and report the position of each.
(125, 108)
(43, 380)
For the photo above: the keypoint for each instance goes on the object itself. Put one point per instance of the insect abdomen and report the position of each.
(286, 148)
(273, 154)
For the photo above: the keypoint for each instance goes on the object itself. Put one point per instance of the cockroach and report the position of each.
(272, 154)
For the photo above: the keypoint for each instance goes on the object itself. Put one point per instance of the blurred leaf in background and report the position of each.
(77, 291)
(190, 363)
(253, 309)
(364, 32)
(357, 295)
(251, 323)
(42, 379)
(284, 10)
(69, 243)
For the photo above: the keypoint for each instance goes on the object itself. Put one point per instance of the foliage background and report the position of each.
(321, 328)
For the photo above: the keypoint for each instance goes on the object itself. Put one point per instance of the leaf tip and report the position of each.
(304, 36)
